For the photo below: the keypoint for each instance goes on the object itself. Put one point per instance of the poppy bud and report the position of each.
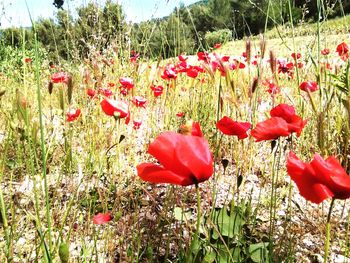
(50, 87)
(272, 62)
(63, 252)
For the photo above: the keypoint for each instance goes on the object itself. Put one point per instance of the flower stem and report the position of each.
(198, 211)
(312, 102)
(328, 232)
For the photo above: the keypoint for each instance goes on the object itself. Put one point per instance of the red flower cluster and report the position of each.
(283, 122)
(184, 159)
(273, 89)
(169, 73)
(126, 85)
(203, 56)
(105, 92)
(320, 179)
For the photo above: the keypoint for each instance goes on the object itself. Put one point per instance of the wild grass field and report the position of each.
(239, 153)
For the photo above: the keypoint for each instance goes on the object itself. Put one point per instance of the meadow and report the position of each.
(239, 153)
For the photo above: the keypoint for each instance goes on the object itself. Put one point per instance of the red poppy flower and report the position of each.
(237, 64)
(296, 56)
(184, 160)
(230, 127)
(203, 56)
(325, 51)
(181, 67)
(191, 128)
(105, 92)
(180, 114)
(270, 129)
(116, 108)
(310, 86)
(27, 60)
(216, 46)
(192, 72)
(286, 68)
(196, 129)
(320, 179)
(343, 51)
(273, 89)
(199, 68)
(134, 56)
(91, 93)
(73, 114)
(225, 58)
(169, 73)
(182, 57)
(287, 112)
(284, 111)
(101, 218)
(137, 124)
(110, 84)
(60, 77)
(127, 83)
(217, 65)
(157, 90)
(139, 101)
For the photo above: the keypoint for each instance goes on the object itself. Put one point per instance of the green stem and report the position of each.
(42, 140)
(313, 105)
(328, 232)
(273, 195)
(198, 211)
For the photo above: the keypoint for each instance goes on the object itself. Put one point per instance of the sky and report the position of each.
(15, 12)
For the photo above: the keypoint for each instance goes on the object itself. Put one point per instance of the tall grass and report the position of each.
(53, 184)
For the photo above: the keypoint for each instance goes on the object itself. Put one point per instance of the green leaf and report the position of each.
(259, 252)
(229, 223)
(181, 215)
(210, 257)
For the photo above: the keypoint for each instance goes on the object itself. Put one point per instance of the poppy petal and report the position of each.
(163, 149)
(101, 218)
(270, 129)
(153, 173)
(193, 152)
(304, 177)
(331, 173)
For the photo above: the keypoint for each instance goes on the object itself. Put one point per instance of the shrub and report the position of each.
(219, 36)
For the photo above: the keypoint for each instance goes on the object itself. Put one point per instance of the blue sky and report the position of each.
(16, 13)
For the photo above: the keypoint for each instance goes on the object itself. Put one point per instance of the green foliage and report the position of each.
(12, 60)
(185, 30)
(229, 238)
(220, 36)
(162, 38)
